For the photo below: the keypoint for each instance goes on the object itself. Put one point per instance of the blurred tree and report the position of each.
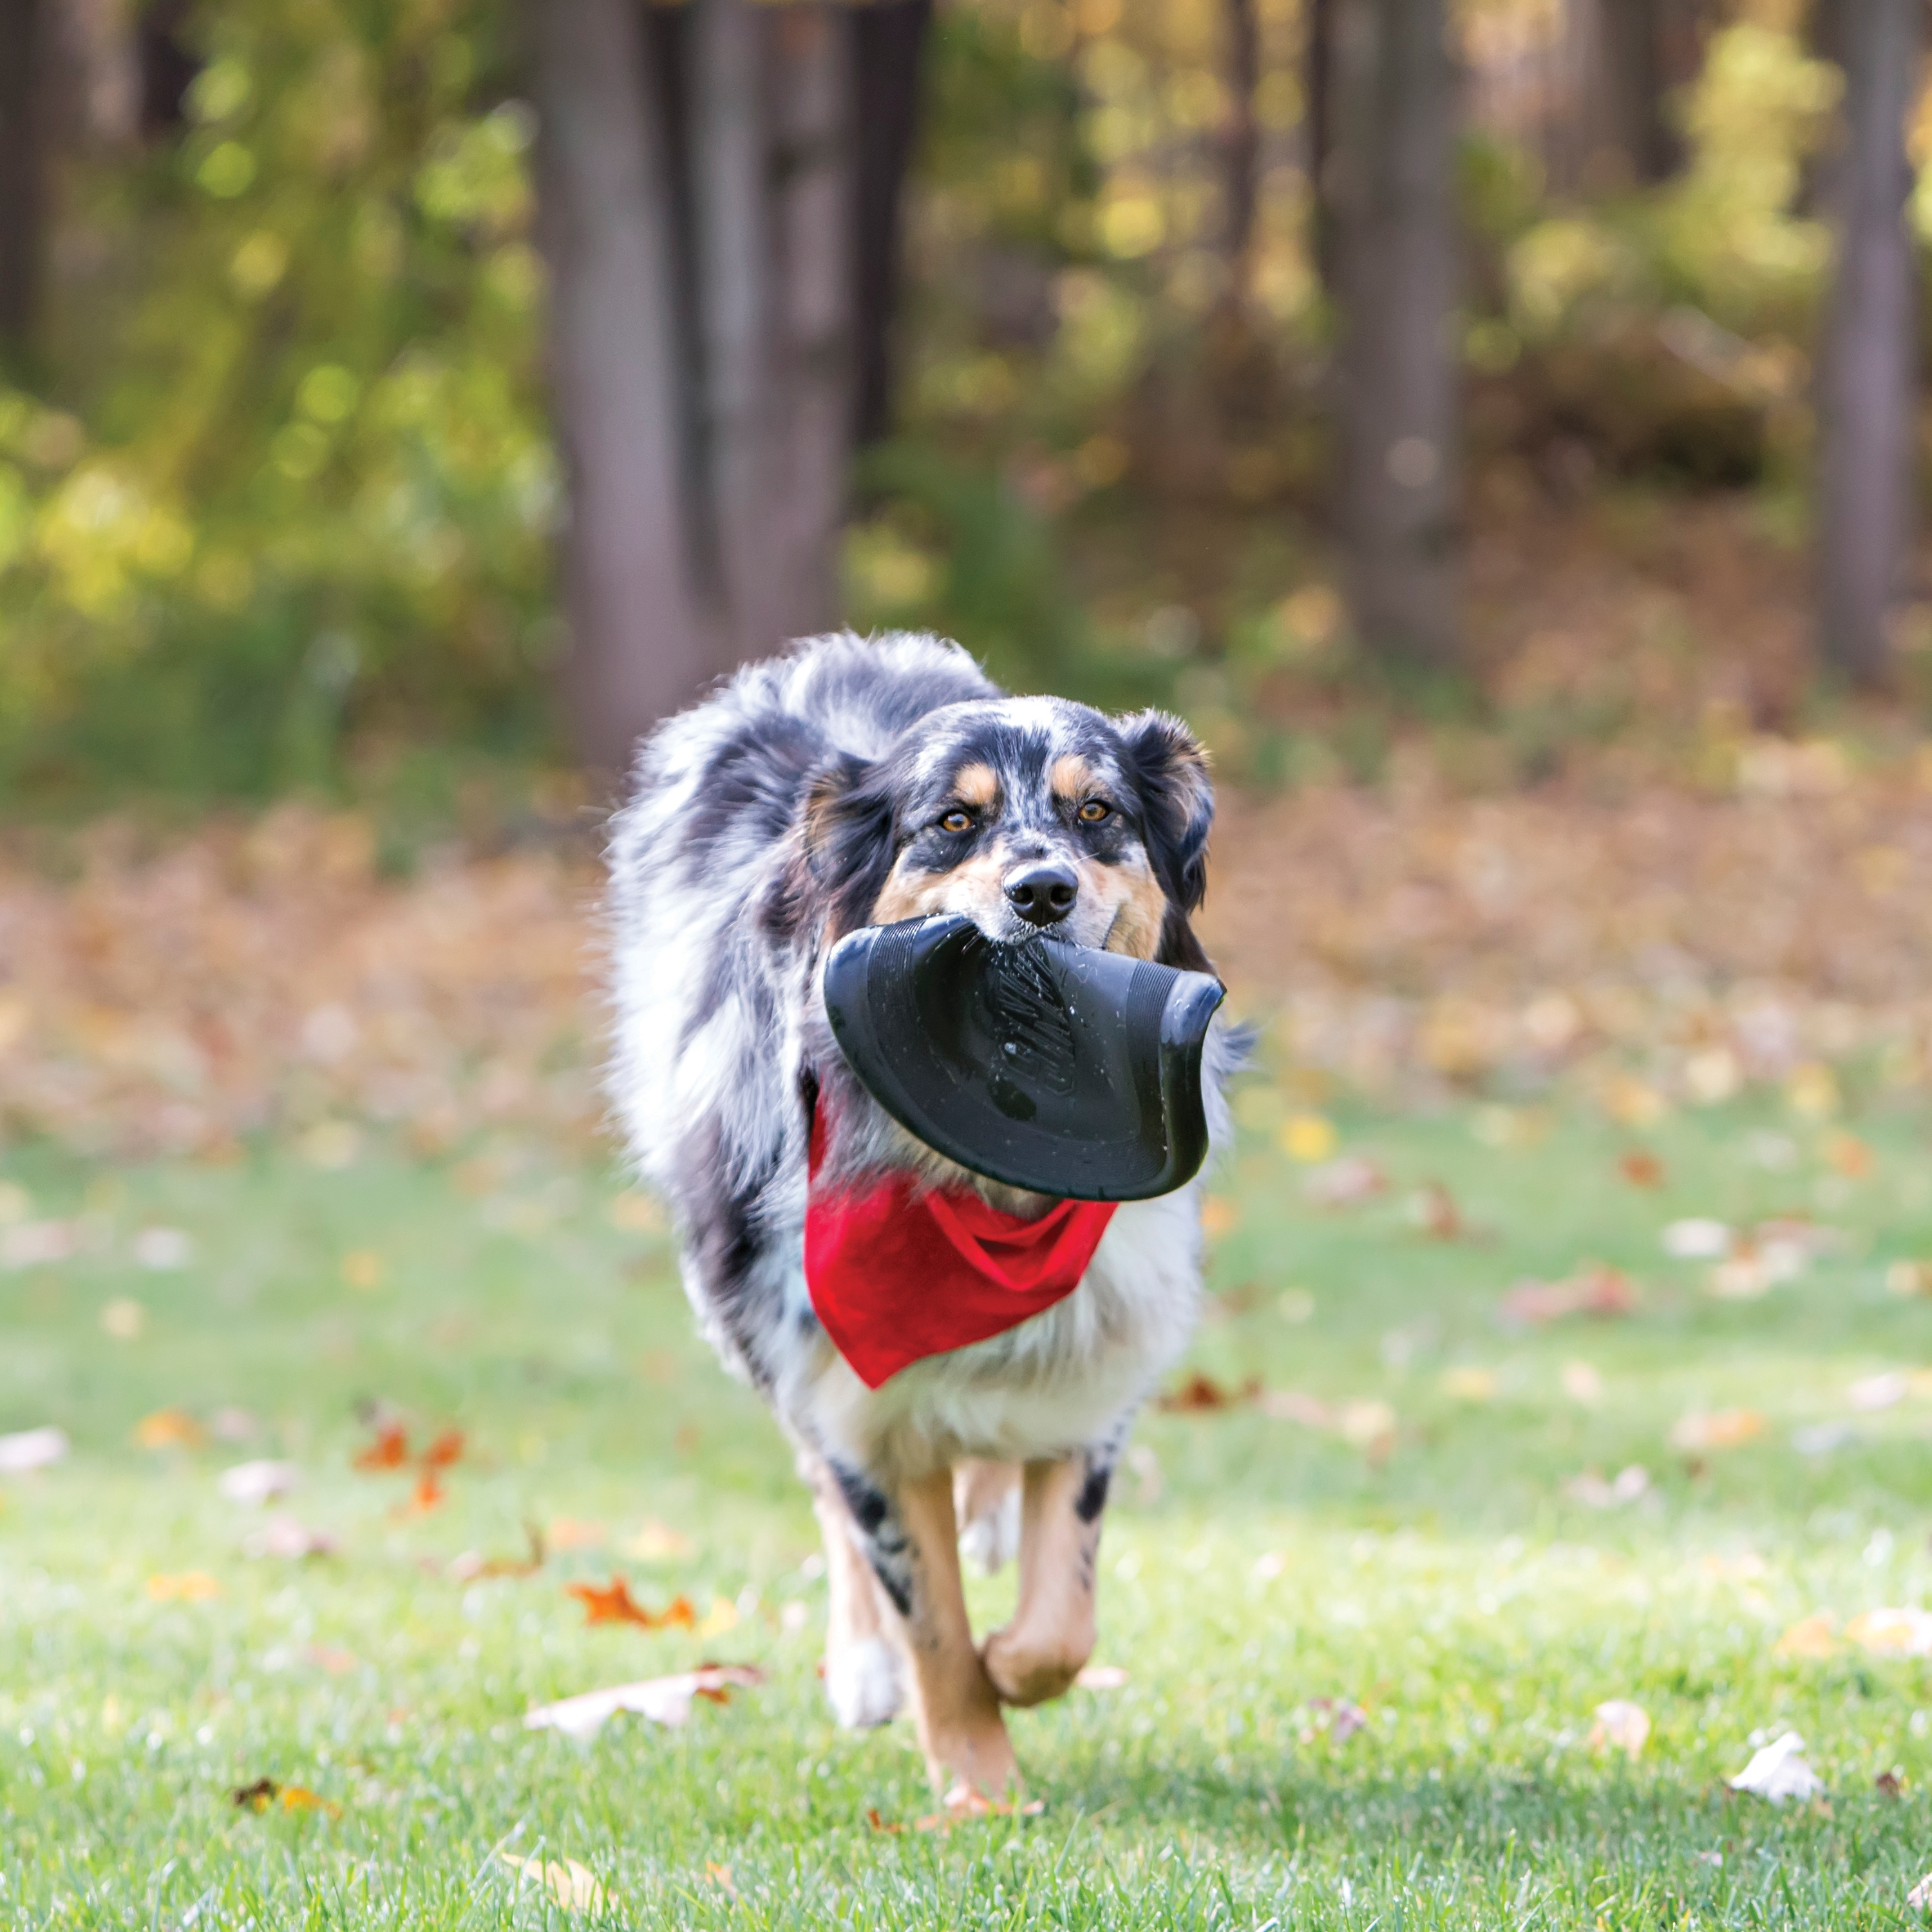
(23, 174)
(1866, 401)
(1318, 61)
(713, 222)
(889, 50)
(1631, 58)
(1399, 364)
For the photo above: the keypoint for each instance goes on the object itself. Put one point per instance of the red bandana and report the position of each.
(897, 1275)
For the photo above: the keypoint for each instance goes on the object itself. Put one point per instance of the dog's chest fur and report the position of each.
(721, 1039)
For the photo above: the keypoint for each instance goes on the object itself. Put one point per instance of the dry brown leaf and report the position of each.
(664, 1700)
(612, 1603)
(1433, 1209)
(1641, 1168)
(265, 1793)
(389, 1450)
(1346, 1182)
(1810, 1636)
(190, 1586)
(1892, 1632)
(168, 1429)
(572, 1885)
(1606, 1293)
(1718, 1429)
(1198, 1393)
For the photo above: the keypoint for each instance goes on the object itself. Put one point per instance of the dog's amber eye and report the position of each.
(1093, 810)
(956, 821)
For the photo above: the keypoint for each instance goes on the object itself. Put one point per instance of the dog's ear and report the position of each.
(848, 839)
(1169, 770)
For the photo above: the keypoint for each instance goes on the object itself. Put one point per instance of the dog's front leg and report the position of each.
(1039, 1653)
(911, 1538)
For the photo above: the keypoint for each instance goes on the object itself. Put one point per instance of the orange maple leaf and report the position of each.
(612, 1603)
(445, 1450)
(390, 1450)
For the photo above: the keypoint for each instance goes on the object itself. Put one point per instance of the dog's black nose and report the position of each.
(1042, 895)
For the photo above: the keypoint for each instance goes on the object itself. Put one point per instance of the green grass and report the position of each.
(1453, 1589)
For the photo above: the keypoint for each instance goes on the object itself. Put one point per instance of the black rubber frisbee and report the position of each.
(1060, 1069)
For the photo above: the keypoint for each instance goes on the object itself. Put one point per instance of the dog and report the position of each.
(854, 782)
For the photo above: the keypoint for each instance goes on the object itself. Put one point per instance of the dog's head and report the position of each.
(1027, 814)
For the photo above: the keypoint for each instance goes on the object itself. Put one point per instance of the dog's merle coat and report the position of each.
(846, 784)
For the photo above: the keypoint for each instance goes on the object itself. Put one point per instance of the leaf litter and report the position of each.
(664, 1700)
(612, 1603)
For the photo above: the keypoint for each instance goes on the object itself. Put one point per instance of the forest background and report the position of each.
(1342, 373)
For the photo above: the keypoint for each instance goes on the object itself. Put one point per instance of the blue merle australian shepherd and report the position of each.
(850, 783)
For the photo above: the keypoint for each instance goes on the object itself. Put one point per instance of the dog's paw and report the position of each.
(992, 1540)
(862, 1680)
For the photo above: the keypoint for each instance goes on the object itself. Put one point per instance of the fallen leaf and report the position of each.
(1433, 1209)
(190, 1586)
(1878, 1391)
(1590, 1489)
(297, 1798)
(163, 1250)
(389, 1450)
(721, 1876)
(168, 1429)
(879, 1824)
(257, 1482)
(1582, 1383)
(1779, 1771)
(27, 1450)
(282, 1536)
(664, 1700)
(471, 1564)
(965, 1801)
(1308, 1137)
(362, 1270)
(123, 1318)
(1696, 1239)
(1292, 1405)
(1892, 1632)
(1810, 1636)
(570, 1884)
(1369, 1426)
(1346, 1182)
(1890, 1783)
(1605, 1293)
(656, 1543)
(37, 1243)
(1101, 1677)
(444, 1452)
(1621, 1726)
(1197, 1393)
(1220, 1216)
(612, 1603)
(1846, 1154)
(1720, 1429)
(1641, 1168)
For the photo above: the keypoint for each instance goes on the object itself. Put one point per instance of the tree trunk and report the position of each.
(731, 182)
(812, 289)
(1240, 150)
(23, 184)
(1867, 399)
(888, 49)
(1630, 61)
(1318, 120)
(1399, 403)
(640, 644)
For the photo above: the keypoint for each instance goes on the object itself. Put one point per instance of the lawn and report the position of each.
(1366, 1618)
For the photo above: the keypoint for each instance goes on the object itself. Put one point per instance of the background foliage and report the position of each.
(276, 502)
